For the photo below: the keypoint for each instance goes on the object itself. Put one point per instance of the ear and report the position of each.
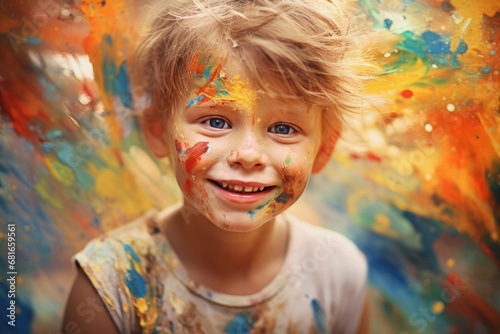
(325, 151)
(154, 133)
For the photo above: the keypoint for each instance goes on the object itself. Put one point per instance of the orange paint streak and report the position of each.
(193, 62)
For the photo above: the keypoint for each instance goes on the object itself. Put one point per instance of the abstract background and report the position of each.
(417, 186)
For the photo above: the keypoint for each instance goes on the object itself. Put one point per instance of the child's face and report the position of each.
(241, 157)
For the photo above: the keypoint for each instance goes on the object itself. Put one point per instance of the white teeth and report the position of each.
(248, 189)
(224, 185)
(261, 188)
(230, 186)
(238, 188)
(255, 189)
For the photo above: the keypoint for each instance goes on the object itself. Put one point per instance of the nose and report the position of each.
(248, 153)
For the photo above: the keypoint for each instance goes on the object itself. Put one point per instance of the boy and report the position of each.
(246, 101)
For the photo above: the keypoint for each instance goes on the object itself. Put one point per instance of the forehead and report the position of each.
(221, 80)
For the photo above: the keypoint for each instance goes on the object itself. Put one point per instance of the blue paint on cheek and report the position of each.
(252, 213)
(486, 69)
(319, 315)
(282, 198)
(240, 324)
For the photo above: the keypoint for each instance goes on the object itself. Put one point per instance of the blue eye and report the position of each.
(217, 123)
(282, 129)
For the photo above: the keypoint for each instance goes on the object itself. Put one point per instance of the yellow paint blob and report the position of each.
(240, 92)
(437, 307)
(450, 263)
(141, 305)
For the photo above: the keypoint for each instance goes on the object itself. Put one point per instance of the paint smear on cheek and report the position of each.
(194, 155)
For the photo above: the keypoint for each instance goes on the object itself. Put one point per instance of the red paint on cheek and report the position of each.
(194, 155)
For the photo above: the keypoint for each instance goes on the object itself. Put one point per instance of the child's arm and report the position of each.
(364, 322)
(85, 311)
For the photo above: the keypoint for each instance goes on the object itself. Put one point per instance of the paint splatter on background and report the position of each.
(418, 189)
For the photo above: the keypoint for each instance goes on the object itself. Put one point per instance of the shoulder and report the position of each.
(129, 241)
(118, 266)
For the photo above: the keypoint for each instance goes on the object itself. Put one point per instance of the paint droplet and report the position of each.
(10, 198)
(428, 127)
(450, 263)
(407, 93)
(494, 236)
(450, 107)
(258, 120)
(492, 52)
(388, 54)
(387, 24)
(26, 228)
(444, 98)
(288, 159)
(486, 69)
(427, 282)
(428, 177)
(14, 187)
(437, 307)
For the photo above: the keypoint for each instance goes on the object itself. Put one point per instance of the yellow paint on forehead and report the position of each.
(240, 92)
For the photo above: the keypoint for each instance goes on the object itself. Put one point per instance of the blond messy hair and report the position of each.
(293, 49)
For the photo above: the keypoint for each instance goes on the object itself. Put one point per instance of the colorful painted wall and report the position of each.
(417, 188)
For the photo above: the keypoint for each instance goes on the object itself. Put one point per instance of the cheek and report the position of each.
(188, 158)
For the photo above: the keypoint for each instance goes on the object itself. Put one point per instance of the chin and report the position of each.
(238, 222)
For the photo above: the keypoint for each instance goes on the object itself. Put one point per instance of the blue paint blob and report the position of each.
(31, 40)
(54, 134)
(319, 315)
(130, 251)
(103, 3)
(135, 282)
(122, 86)
(241, 324)
(388, 24)
(486, 69)
(492, 52)
(282, 198)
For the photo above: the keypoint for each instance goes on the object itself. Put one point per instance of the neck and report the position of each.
(208, 248)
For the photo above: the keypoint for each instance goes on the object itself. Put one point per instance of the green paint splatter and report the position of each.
(288, 159)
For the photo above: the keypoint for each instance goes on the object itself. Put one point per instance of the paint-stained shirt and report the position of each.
(146, 289)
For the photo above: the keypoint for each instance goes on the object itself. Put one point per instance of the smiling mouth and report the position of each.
(239, 189)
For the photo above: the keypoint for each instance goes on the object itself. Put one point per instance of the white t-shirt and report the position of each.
(319, 289)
